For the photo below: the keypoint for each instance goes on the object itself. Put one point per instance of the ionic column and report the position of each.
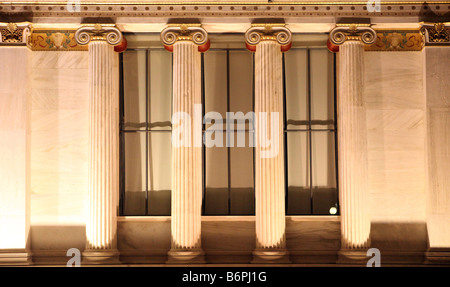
(186, 41)
(101, 225)
(15, 104)
(352, 140)
(267, 41)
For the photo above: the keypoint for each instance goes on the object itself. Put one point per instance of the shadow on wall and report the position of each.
(148, 242)
(49, 243)
(400, 242)
(58, 237)
(399, 236)
(427, 15)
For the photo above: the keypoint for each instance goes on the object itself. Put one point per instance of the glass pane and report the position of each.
(216, 178)
(241, 179)
(296, 75)
(134, 174)
(159, 172)
(160, 101)
(323, 172)
(298, 173)
(215, 75)
(322, 89)
(241, 81)
(241, 88)
(134, 82)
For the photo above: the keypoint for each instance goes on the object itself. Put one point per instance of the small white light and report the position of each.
(333, 210)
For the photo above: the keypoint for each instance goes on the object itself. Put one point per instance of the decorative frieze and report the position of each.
(396, 40)
(13, 33)
(436, 34)
(386, 39)
(55, 40)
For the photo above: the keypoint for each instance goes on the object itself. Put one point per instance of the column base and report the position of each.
(15, 257)
(352, 256)
(190, 256)
(437, 256)
(271, 256)
(100, 257)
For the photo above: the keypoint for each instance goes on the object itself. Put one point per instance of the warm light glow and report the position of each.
(333, 210)
(14, 232)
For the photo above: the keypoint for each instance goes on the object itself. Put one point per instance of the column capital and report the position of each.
(268, 32)
(435, 34)
(98, 32)
(353, 32)
(14, 33)
(185, 32)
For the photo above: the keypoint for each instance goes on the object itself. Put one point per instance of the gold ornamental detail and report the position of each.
(435, 33)
(268, 32)
(353, 32)
(98, 32)
(184, 32)
(11, 33)
(397, 40)
(54, 40)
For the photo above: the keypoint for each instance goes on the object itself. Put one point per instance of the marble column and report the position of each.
(186, 41)
(352, 140)
(436, 54)
(268, 40)
(101, 225)
(15, 103)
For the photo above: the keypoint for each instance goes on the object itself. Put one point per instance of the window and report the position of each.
(310, 132)
(227, 86)
(229, 172)
(146, 131)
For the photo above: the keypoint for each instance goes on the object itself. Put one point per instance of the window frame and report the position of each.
(310, 132)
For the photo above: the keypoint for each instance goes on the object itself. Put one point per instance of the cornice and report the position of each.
(209, 9)
(273, 3)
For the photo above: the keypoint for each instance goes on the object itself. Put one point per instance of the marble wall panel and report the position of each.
(396, 130)
(14, 147)
(59, 141)
(437, 90)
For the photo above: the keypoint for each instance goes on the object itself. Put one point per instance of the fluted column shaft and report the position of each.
(269, 171)
(101, 227)
(186, 41)
(187, 158)
(352, 148)
(352, 139)
(268, 41)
